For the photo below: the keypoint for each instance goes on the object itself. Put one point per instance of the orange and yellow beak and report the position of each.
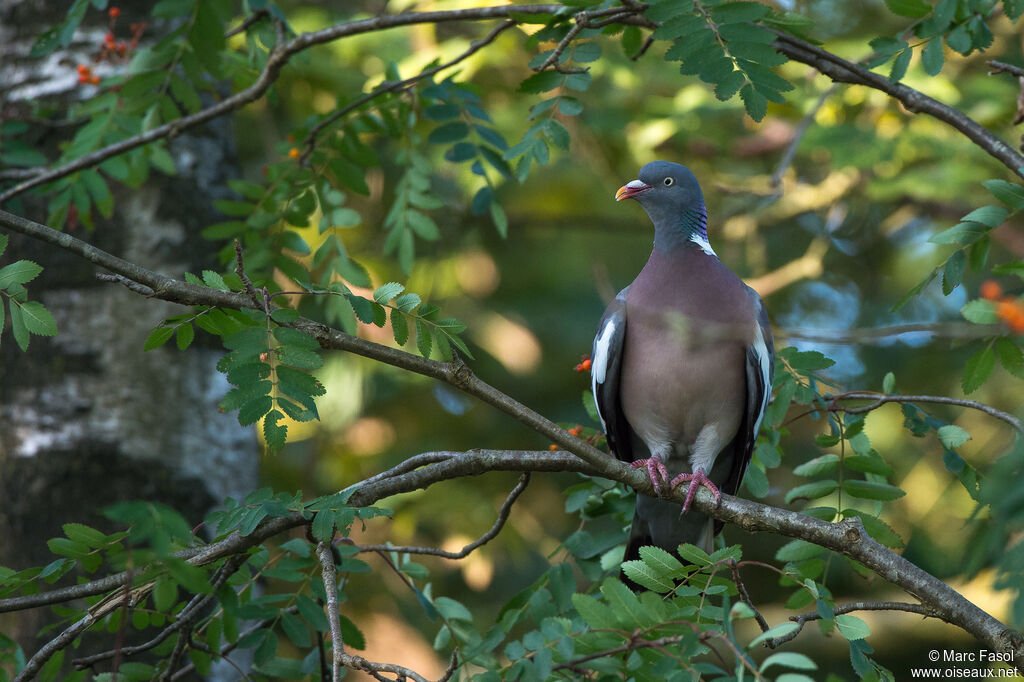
(631, 189)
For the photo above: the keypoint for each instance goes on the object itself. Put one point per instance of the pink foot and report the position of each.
(696, 479)
(655, 469)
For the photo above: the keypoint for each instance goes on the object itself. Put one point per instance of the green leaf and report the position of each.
(737, 12)
(818, 465)
(953, 272)
(977, 369)
(386, 292)
(19, 272)
(37, 319)
(812, 491)
(452, 610)
(788, 659)
(449, 132)
(184, 335)
(909, 8)
(872, 490)
(642, 574)
(851, 627)
(980, 311)
(541, 82)
(798, 550)
(1010, 193)
(779, 630)
(953, 436)
(158, 337)
(992, 216)
(695, 555)
(424, 342)
(595, 613)
(932, 59)
(754, 102)
(274, 433)
(253, 410)
(1010, 355)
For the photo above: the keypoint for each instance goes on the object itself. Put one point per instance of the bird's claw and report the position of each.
(696, 479)
(655, 469)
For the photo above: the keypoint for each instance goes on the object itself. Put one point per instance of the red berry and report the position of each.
(990, 290)
(114, 12)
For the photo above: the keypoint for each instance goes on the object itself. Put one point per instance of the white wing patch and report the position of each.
(599, 363)
(704, 245)
(765, 365)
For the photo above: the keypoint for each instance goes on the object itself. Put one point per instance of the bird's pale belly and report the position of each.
(679, 396)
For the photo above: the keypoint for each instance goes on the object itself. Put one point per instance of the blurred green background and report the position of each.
(832, 246)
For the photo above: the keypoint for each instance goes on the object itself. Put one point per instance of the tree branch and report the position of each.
(330, 576)
(840, 609)
(843, 71)
(883, 398)
(499, 523)
(881, 335)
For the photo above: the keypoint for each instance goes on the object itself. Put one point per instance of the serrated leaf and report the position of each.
(818, 465)
(399, 327)
(214, 280)
(754, 103)
(253, 410)
(788, 659)
(932, 59)
(37, 319)
(595, 613)
(424, 342)
(19, 272)
(386, 292)
(541, 82)
(952, 436)
(812, 491)
(798, 550)
(872, 490)
(158, 337)
(1010, 193)
(851, 627)
(643, 575)
(1011, 357)
(184, 335)
(977, 369)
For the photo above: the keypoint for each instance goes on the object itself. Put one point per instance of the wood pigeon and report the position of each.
(681, 365)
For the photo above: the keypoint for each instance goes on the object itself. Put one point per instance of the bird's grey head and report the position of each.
(671, 195)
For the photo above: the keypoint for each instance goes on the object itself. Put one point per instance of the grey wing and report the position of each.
(605, 371)
(760, 360)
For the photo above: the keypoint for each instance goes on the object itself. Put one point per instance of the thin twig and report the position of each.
(257, 16)
(880, 399)
(330, 575)
(135, 287)
(184, 619)
(883, 335)
(240, 271)
(62, 640)
(310, 141)
(840, 609)
(503, 514)
(1003, 67)
(801, 129)
(742, 590)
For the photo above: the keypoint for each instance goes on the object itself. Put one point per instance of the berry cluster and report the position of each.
(1010, 310)
(112, 49)
(584, 365)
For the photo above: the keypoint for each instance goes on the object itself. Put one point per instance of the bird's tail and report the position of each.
(659, 523)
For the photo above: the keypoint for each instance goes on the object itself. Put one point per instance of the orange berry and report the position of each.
(1017, 326)
(94, 80)
(576, 431)
(114, 12)
(293, 153)
(990, 290)
(83, 78)
(584, 365)
(82, 68)
(1006, 309)
(552, 447)
(109, 39)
